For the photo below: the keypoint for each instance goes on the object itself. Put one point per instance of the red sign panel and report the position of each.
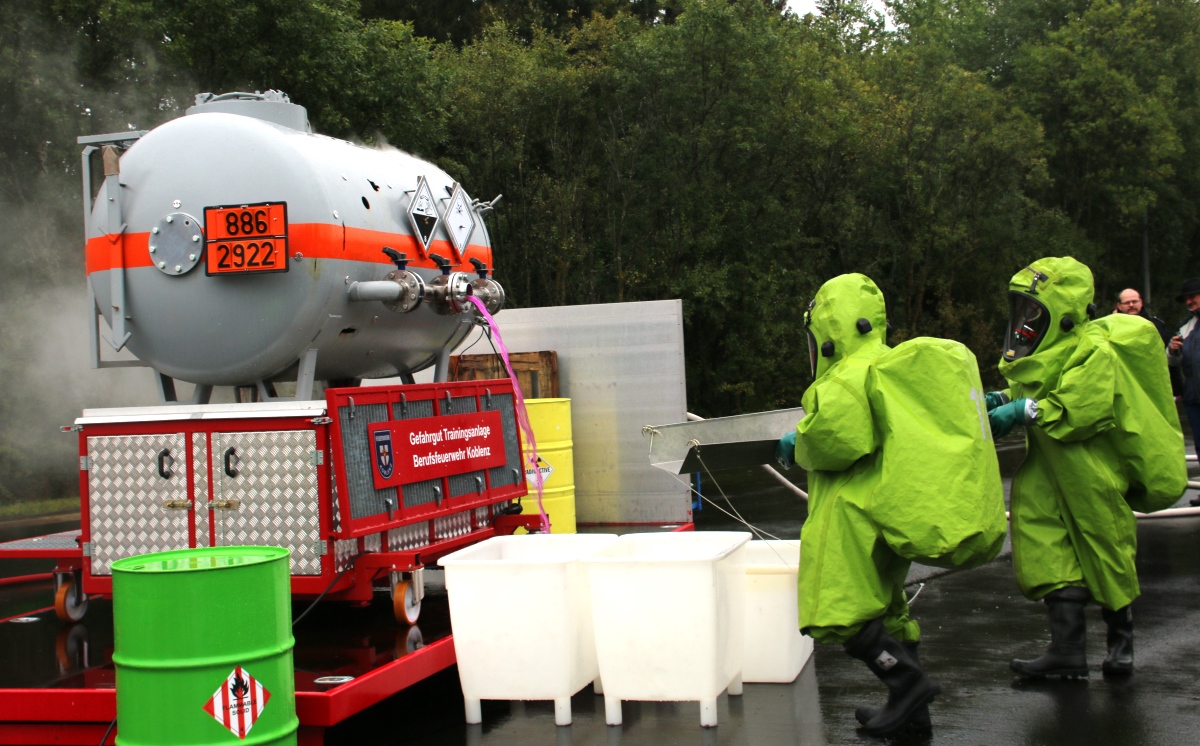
(407, 451)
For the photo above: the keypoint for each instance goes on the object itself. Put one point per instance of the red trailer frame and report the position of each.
(351, 541)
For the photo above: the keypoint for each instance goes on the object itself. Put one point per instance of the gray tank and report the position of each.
(233, 246)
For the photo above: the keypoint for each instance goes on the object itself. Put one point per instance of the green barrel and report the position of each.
(203, 647)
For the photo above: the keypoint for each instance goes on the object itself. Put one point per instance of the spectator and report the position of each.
(1130, 302)
(1183, 354)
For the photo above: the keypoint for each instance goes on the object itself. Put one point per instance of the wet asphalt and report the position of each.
(973, 623)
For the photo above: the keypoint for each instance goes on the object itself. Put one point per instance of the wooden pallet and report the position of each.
(537, 372)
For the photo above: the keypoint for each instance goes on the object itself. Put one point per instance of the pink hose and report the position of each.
(522, 415)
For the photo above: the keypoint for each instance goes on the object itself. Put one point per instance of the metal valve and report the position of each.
(448, 292)
(412, 287)
(401, 291)
(487, 290)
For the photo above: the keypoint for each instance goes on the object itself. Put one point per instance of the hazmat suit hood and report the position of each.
(1063, 288)
(846, 317)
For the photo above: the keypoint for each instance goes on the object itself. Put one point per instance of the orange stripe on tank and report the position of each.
(312, 240)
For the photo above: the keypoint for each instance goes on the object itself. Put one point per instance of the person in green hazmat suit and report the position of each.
(851, 583)
(1074, 538)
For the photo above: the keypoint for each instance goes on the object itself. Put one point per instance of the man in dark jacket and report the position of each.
(1130, 302)
(1183, 354)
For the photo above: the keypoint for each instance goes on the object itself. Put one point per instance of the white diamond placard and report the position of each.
(238, 702)
(423, 214)
(460, 220)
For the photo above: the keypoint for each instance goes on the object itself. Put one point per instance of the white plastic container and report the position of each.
(669, 618)
(535, 579)
(775, 649)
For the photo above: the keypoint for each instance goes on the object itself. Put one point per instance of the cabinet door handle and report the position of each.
(165, 463)
(224, 504)
(177, 504)
(231, 462)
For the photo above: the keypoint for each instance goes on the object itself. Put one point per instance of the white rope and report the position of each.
(920, 587)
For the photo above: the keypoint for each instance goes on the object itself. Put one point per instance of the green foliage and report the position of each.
(725, 152)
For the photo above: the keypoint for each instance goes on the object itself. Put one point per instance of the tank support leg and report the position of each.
(305, 375)
(166, 388)
(202, 394)
(441, 368)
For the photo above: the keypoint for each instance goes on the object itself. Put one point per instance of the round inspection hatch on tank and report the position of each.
(176, 244)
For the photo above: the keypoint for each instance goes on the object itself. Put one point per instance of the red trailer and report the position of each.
(365, 488)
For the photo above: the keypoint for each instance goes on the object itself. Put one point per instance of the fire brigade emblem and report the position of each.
(383, 453)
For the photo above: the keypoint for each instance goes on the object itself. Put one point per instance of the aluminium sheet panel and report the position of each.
(622, 366)
(135, 483)
(721, 442)
(272, 477)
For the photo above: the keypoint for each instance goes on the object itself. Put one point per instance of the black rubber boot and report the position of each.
(1120, 641)
(1067, 654)
(919, 723)
(909, 689)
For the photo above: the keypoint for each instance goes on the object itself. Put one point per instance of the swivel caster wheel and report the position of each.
(405, 604)
(69, 606)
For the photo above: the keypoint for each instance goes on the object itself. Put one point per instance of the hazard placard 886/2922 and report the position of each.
(246, 238)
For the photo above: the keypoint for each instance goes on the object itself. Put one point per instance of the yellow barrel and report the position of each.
(551, 423)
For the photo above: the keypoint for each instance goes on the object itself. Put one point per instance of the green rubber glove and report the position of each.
(1007, 416)
(785, 450)
(994, 399)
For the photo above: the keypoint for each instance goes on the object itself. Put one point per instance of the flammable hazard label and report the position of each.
(238, 702)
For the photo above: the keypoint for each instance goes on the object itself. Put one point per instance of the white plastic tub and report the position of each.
(669, 618)
(535, 580)
(775, 651)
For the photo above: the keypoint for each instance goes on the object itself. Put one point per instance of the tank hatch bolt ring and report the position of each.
(174, 245)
